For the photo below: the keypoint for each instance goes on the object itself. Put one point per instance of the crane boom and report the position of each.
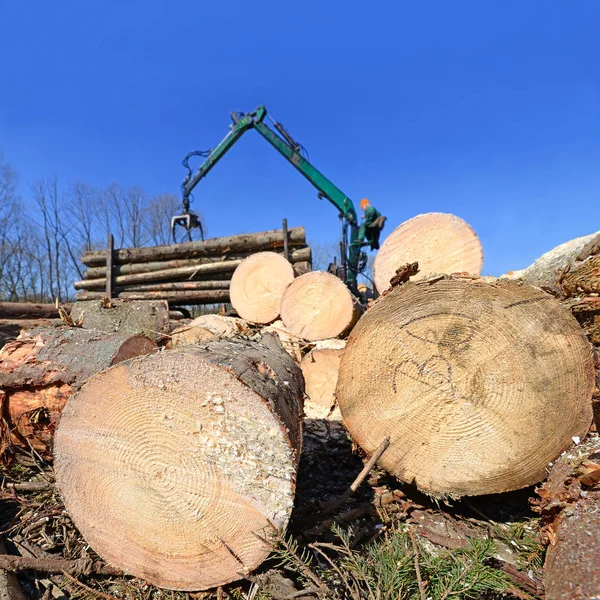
(291, 151)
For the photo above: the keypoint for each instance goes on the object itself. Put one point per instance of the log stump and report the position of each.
(439, 242)
(43, 367)
(257, 286)
(479, 384)
(319, 306)
(176, 467)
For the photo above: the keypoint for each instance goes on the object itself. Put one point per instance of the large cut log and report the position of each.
(478, 384)
(207, 327)
(189, 297)
(41, 369)
(176, 467)
(320, 368)
(547, 271)
(299, 255)
(246, 242)
(318, 306)
(439, 242)
(570, 508)
(30, 310)
(150, 318)
(258, 284)
(189, 272)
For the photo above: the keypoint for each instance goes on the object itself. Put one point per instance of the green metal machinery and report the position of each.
(353, 260)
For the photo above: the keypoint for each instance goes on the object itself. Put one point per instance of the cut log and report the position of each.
(478, 384)
(176, 467)
(570, 509)
(41, 369)
(207, 327)
(320, 368)
(191, 297)
(30, 310)
(318, 306)
(547, 271)
(439, 242)
(176, 286)
(227, 266)
(257, 286)
(246, 242)
(299, 255)
(150, 318)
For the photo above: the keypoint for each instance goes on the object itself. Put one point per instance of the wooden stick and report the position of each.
(417, 566)
(55, 565)
(109, 266)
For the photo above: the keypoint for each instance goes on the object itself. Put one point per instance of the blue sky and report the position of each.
(490, 111)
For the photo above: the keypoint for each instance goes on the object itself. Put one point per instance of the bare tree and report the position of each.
(323, 254)
(158, 214)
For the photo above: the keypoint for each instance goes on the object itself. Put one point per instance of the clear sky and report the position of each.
(488, 110)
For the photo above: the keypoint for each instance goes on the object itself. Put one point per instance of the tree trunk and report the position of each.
(570, 508)
(318, 306)
(300, 255)
(166, 275)
(479, 384)
(149, 318)
(207, 327)
(247, 242)
(190, 297)
(40, 370)
(439, 242)
(320, 368)
(258, 284)
(191, 457)
(29, 310)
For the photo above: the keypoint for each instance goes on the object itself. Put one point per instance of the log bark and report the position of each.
(207, 327)
(570, 508)
(247, 242)
(299, 255)
(189, 272)
(40, 370)
(318, 306)
(257, 286)
(320, 368)
(149, 318)
(190, 297)
(439, 242)
(547, 271)
(478, 383)
(191, 458)
(29, 310)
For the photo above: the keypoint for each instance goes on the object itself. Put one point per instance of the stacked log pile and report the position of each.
(187, 273)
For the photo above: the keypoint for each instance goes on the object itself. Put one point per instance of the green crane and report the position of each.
(353, 259)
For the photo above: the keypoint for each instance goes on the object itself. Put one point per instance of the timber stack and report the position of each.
(190, 273)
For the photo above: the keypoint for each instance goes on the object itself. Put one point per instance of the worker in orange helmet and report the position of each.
(373, 223)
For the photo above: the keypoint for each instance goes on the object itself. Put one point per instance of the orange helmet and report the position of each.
(364, 203)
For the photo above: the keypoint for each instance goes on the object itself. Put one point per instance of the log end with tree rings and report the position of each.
(178, 467)
(257, 286)
(318, 306)
(478, 384)
(440, 243)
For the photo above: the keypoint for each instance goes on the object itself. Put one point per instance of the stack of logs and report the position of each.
(188, 273)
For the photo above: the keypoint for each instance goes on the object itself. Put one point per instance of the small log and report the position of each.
(30, 310)
(41, 369)
(176, 315)
(207, 327)
(176, 286)
(299, 255)
(146, 318)
(302, 267)
(190, 297)
(439, 242)
(167, 275)
(246, 242)
(191, 456)
(318, 306)
(478, 383)
(320, 368)
(257, 286)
